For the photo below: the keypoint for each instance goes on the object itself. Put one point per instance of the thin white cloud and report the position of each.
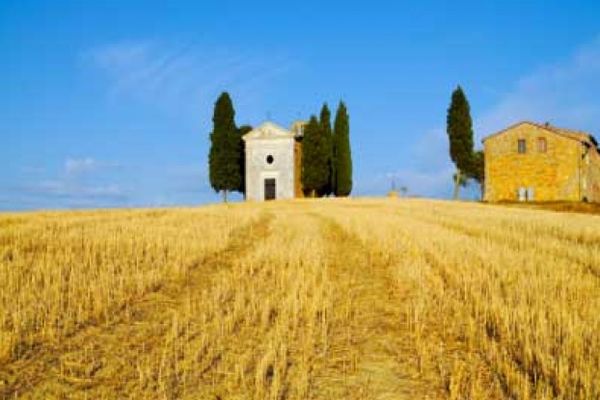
(61, 188)
(565, 94)
(81, 182)
(185, 77)
(430, 170)
(77, 166)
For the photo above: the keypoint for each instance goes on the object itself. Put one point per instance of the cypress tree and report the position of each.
(459, 128)
(314, 159)
(242, 130)
(477, 171)
(327, 148)
(224, 156)
(342, 154)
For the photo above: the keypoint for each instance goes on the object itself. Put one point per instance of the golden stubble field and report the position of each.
(322, 299)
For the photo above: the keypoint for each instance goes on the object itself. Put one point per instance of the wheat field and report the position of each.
(309, 299)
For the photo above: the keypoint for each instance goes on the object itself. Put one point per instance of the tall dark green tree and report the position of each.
(242, 130)
(224, 156)
(325, 126)
(342, 155)
(459, 128)
(477, 170)
(314, 159)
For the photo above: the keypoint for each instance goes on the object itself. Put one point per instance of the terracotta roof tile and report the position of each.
(569, 133)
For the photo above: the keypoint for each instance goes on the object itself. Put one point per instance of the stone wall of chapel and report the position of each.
(258, 168)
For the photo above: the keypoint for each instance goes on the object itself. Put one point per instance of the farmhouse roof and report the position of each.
(580, 136)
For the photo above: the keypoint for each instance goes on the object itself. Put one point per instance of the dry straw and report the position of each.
(362, 299)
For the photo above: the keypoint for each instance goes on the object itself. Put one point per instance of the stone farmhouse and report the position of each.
(273, 161)
(540, 162)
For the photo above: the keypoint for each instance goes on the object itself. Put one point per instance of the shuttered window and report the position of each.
(522, 146)
(542, 145)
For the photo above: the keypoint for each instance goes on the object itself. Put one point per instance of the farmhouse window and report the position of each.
(542, 145)
(530, 194)
(522, 194)
(522, 146)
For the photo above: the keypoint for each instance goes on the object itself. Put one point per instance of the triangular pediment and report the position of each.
(268, 130)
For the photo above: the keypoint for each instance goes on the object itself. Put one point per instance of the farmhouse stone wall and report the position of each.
(555, 174)
(592, 171)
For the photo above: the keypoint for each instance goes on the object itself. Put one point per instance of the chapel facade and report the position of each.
(273, 162)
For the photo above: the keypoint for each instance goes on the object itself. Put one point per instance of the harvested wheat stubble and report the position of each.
(348, 299)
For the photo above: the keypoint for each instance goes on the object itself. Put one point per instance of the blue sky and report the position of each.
(108, 103)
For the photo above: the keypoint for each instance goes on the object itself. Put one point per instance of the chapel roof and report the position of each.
(268, 130)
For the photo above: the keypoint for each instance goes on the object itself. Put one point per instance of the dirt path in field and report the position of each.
(372, 354)
(102, 355)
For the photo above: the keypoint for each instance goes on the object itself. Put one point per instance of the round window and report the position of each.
(270, 159)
